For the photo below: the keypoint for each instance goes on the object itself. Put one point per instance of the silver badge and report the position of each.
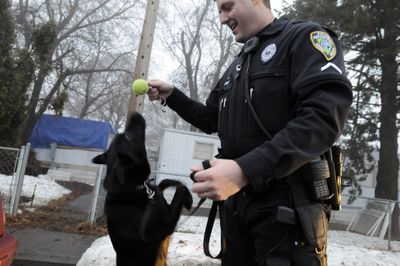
(268, 53)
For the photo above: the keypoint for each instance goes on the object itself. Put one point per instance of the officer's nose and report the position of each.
(223, 18)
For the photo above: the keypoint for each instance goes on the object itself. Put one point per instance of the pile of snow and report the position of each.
(186, 248)
(42, 188)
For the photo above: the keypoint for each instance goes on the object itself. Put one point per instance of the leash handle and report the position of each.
(216, 205)
(206, 164)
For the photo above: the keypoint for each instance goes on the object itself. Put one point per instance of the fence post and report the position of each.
(390, 213)
(95, 194)
(15, 180)
(22, 162)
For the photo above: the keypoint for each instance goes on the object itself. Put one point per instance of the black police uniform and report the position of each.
(299, 90)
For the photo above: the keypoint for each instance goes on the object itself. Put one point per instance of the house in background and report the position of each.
(369, 184)
(179, 150)
(67, 145)
(366, 214)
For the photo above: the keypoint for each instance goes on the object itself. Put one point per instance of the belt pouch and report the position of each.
(314, 222)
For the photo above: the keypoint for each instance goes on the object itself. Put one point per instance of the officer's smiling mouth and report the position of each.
(233, 26)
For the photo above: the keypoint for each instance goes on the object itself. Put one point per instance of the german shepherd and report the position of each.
(139, 220)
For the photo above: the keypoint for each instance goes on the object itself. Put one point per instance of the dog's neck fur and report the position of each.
(145, 186)
(139, 196)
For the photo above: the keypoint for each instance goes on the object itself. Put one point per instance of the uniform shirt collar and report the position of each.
(276, 26)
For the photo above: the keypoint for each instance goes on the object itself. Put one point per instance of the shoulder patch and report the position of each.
(323, 42)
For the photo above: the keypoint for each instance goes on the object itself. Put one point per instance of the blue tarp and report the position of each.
(68, 131)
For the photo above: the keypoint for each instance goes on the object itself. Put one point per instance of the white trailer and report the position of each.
(179, 150)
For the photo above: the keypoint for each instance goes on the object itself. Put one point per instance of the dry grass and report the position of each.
(58, 203)
(54, 222)
(54, 217)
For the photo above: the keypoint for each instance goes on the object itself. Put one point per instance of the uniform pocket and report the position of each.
(270, 96)
(223, 114)
(314, 222)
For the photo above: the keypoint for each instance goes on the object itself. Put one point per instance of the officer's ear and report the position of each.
(265, 3)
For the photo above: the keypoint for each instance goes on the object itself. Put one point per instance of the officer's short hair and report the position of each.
(266, 2)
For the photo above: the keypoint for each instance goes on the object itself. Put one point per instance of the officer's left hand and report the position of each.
(224, 179)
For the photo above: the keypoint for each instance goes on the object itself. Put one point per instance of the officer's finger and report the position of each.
(155, 83)
(199, 188)
(208, 195)
(153, 94)
(204, 165)
(196, 168)
(201, 175)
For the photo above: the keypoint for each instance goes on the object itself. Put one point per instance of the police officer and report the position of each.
(292, 75)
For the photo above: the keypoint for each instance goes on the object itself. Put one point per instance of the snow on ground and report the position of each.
(43, 187)
(186, 247)
(344, 249)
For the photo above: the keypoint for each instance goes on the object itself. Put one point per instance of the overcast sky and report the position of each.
(162, 70)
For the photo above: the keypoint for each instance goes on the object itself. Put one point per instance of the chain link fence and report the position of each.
(8, 167)
(369, 219)
(13, 161)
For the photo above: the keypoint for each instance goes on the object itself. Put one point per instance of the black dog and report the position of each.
(139, 220)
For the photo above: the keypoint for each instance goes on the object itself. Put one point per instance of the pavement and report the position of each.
(41, 247)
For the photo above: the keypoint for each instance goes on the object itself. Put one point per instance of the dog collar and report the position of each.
(145, 186)
(149, 191)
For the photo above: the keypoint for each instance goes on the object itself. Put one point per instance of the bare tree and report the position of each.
(86, 91)
(201, 48)
(64, 27)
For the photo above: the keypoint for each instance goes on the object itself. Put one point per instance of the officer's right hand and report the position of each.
(159, 89)
(224, 179)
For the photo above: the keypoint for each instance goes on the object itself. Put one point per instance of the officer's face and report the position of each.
(240, 16)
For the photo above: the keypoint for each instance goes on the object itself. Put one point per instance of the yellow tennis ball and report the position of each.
(140, 86)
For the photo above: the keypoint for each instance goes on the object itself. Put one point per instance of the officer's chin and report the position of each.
(240, 38)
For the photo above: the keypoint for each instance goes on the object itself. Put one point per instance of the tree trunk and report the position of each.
(388, 165)
(25, 129)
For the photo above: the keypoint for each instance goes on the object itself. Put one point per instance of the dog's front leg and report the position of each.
(155, 218)
(182, 198)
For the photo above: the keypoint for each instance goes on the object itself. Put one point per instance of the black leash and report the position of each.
(216, 206)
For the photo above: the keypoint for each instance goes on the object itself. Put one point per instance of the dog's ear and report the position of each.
(100, 159)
